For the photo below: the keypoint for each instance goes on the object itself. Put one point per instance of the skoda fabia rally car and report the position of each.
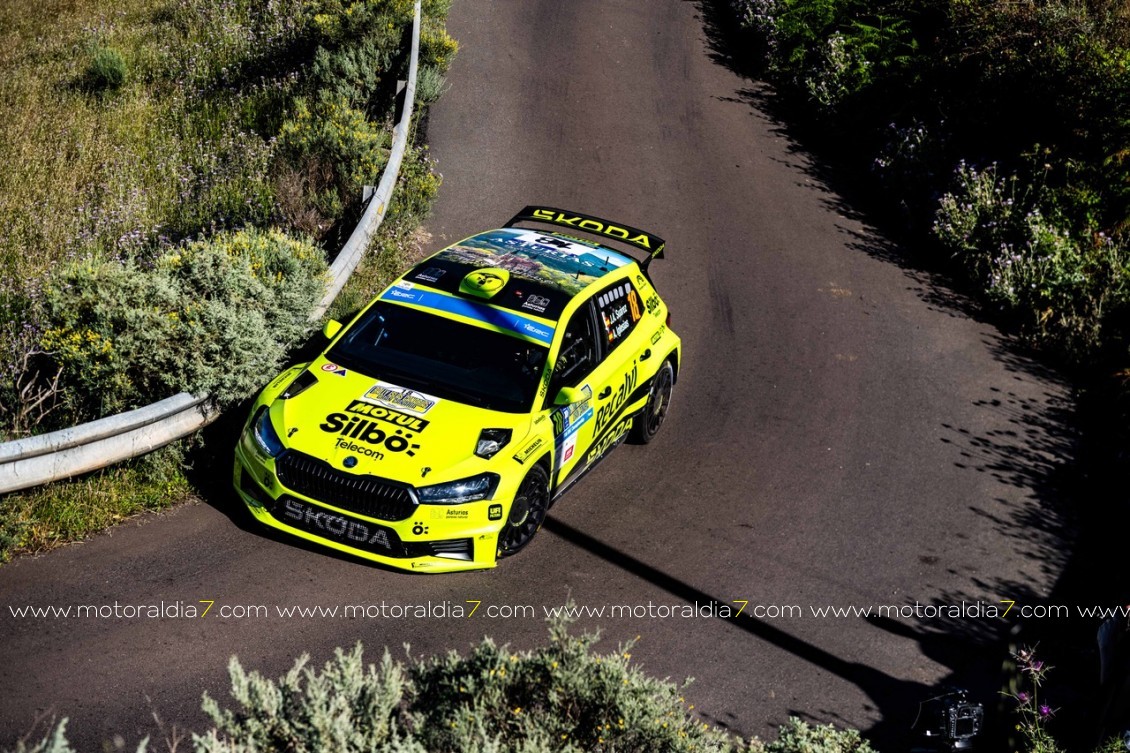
(439, 425)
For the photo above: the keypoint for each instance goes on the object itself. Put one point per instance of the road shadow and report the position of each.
(969, 648)
(1051, 451)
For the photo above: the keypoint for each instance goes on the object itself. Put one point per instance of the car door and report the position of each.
(577, 359)
(618, 380)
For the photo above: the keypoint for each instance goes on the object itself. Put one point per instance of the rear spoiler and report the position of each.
(652, 244)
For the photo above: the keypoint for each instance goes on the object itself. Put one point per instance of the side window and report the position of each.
(577, 357)
(618, 308)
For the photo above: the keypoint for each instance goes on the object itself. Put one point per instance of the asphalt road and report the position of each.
(843, 432)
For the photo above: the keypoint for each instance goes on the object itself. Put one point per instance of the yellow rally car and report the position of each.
(439, 425)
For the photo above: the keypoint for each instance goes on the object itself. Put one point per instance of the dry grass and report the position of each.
(66, 155)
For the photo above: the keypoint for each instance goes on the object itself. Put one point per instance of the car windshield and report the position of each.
(443, 357)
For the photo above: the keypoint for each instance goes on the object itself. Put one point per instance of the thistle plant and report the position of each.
(1033, 711)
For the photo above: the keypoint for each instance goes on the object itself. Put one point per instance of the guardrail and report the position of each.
(62, 454)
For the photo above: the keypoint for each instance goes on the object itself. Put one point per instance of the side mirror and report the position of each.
(333, 326)
(568, 396)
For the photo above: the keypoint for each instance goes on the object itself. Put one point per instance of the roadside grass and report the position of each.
(41, 519)
(202, 132)
(54, 140)
(112, 169)
(400, 241)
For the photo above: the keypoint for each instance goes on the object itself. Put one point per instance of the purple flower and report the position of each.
(1045, 710)
(1022, 697)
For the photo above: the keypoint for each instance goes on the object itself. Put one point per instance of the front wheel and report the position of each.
(526, 513)
(647, 422)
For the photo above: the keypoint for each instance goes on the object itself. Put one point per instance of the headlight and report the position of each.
(491, 441)
(265, 435)
(457, 492)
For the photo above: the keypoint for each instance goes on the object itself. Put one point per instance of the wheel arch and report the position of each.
(673, 357)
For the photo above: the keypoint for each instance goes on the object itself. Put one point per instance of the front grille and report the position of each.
(363, 494)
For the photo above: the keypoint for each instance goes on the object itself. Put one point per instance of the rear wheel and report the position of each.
(526, 513)
(647, 422)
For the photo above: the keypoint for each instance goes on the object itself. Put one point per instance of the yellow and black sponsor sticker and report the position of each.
(369, 431)
(527, 452)
(609, 440)
(379, 412)
(400, 398)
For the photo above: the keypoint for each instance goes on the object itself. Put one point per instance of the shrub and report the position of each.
(437, 48)
(1059, 286)
(560, 698)
(839, 72)
(331, 131)
(909, 165)
(430, 84)
(797, 736)
(345, 707)
(353, 74)
(211, 316)
(106, 70)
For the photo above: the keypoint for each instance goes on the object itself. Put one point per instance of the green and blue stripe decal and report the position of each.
(506, 320)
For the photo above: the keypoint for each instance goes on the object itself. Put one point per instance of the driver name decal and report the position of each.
(400, 398)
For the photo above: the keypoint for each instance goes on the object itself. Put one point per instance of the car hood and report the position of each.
(368, 426)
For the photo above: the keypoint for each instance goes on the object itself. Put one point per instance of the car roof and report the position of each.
(544, 270)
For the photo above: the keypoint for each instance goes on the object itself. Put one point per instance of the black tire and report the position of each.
(526, 513)
(647, 422)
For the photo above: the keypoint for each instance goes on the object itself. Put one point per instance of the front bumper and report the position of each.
(434, 538)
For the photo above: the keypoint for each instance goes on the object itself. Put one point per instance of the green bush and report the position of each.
(430, 84)
(334, 133)
(560, 698)
(437, 48)
(1059, 286)
(353, 74)
(106, 70)
(797, 736)
(210, 316)
(345, 707)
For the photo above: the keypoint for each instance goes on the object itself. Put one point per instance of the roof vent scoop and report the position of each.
(484, 283)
